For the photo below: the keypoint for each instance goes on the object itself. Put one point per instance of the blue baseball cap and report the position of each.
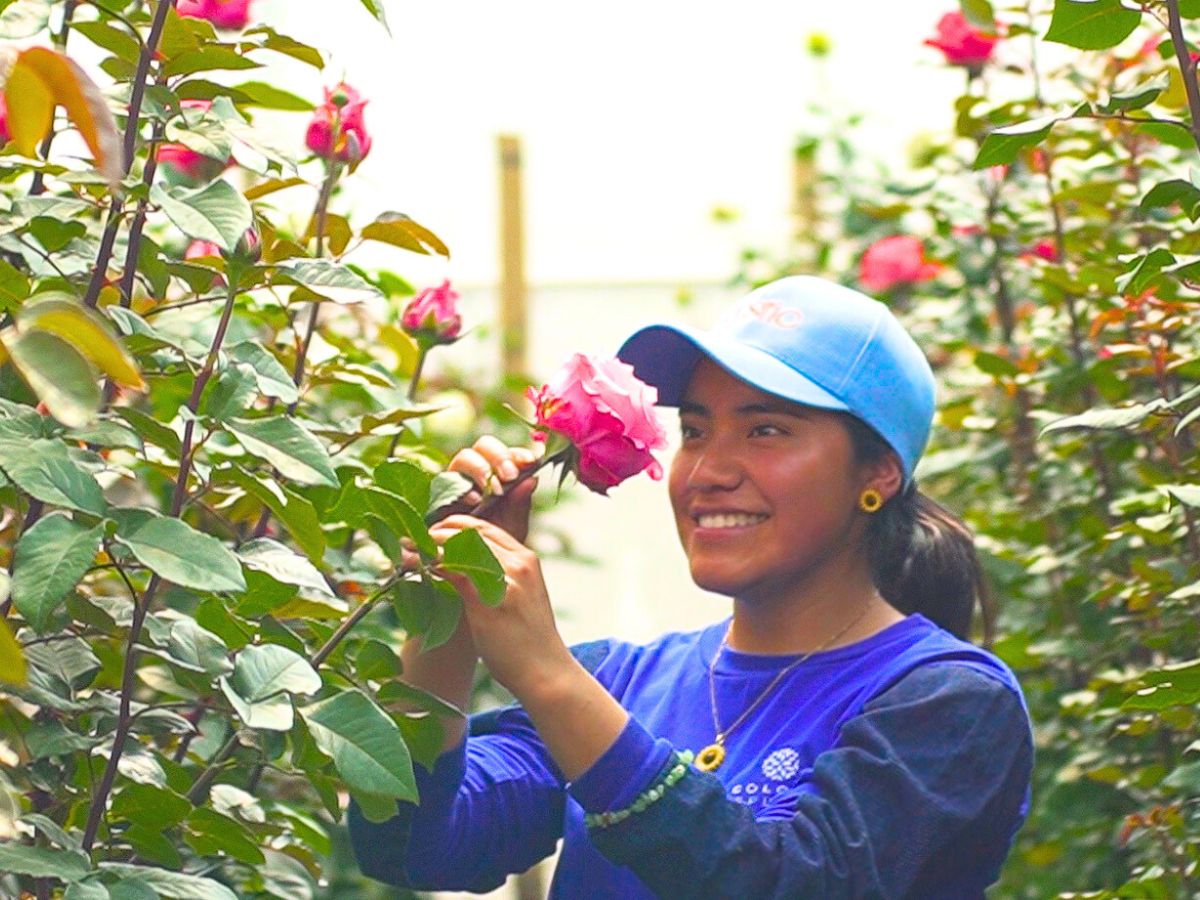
(811, 341)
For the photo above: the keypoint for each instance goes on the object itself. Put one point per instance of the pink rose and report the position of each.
(199, 249)
(1047, 250)
(186, 164)
(893, 261)
(432, 316)
(231, 14)
(608, 415)
(5, 137)
(337, 129)
(961, 42)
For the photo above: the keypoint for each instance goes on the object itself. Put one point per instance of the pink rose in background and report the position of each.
(432, 316)
(1047, 250)
(337, 129)
(231, 14)
(893, 261)
(608, 415)
(5, 137)
(961, 42)
(186, 164)
(199, 249)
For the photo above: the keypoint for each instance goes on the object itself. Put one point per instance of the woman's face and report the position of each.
(765, 491)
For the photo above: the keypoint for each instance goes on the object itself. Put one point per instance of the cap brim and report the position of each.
(665, 355)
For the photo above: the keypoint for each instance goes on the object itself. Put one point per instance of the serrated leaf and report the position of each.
(272, 378)
(328, 279)
(178, 552)
(467, 553)
(216, 212)
(263, 677)
(50, 559)
(43, 862)
(1091, 24)
(58, 374)
(44, 469)
(283, 564)
(364, 743)
(286, 445)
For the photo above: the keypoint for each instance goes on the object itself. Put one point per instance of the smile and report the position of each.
(729, 520)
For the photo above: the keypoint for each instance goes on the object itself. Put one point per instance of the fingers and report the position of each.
(491, 463)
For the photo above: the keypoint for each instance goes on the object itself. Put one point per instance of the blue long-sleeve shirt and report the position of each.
(898, 766)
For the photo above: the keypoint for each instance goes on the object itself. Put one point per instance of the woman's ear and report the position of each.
(886, 474)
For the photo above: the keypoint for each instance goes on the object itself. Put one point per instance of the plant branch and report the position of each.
(1187, 69)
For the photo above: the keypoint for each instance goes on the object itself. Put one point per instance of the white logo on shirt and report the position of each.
(782, 764)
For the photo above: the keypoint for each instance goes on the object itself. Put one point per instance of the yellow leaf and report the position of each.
(30, 108)
(39, 73)
(87, 331)
(12, 660)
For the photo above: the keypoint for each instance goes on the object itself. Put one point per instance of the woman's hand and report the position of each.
(491, 465)
(517, 640)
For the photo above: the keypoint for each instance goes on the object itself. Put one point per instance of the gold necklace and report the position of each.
(713, 755)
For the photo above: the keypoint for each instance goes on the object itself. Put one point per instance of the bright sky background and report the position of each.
(637, 118)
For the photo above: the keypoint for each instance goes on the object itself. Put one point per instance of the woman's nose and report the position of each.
(715, 468)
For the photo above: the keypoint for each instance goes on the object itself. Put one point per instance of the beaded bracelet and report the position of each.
(645, 798)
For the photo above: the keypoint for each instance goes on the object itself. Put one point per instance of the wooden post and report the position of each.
(512, 259)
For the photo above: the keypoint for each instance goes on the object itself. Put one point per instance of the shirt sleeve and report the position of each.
(939, 762)
(491, 807)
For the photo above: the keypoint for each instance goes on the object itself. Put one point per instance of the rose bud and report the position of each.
(337, 129)
(200, 249)
(962, 43)
(432, 316)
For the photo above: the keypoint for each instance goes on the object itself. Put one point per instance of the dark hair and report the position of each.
(922, 556)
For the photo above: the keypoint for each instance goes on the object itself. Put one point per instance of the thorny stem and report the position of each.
(1187, 69)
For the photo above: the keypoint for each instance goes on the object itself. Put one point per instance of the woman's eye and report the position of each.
(686, 432)
(767, 430)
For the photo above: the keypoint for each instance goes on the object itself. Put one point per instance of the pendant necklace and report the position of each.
(711, 757)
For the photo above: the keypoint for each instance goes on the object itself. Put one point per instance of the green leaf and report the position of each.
(400, 516)
(468, 554)
(980, 14)
(1100, 419)
(429, 609)
(263, 677)
(207, 59)
(1138, 96)
(216, 212)
(198, 648)
(93, 889)
(151, 430)
(405, 479)
(1187, 494)
(995, 365)
(42, 862)
(268, 96)
(50, 559)
(211, 834)
(328, 279)
(298, 516)
(283, 564)
(286, 445)
(1168, 193)
(44, 470)
(1135, 280)
(58, 374)
(281, 43)
(120, 43)
(230, 393)
(364, 743)
(175, 885)
(1002, 145)
(447, 488)
(177, 552)
(272, 378)
(13, 669)
(399, 230)
(375, 8)
(151, 806)
(1091, 25)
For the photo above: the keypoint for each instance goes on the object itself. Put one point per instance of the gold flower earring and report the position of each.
(870, 500)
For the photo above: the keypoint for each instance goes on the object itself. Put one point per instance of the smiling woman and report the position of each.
(847, 738)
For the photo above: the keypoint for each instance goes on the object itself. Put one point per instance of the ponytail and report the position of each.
(922, 556)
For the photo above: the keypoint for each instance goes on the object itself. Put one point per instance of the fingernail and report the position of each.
(497, 487)
(509, 470)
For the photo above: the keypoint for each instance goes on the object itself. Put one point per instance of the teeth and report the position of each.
(728, 520)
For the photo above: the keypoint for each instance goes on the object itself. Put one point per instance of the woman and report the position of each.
(848, 741)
